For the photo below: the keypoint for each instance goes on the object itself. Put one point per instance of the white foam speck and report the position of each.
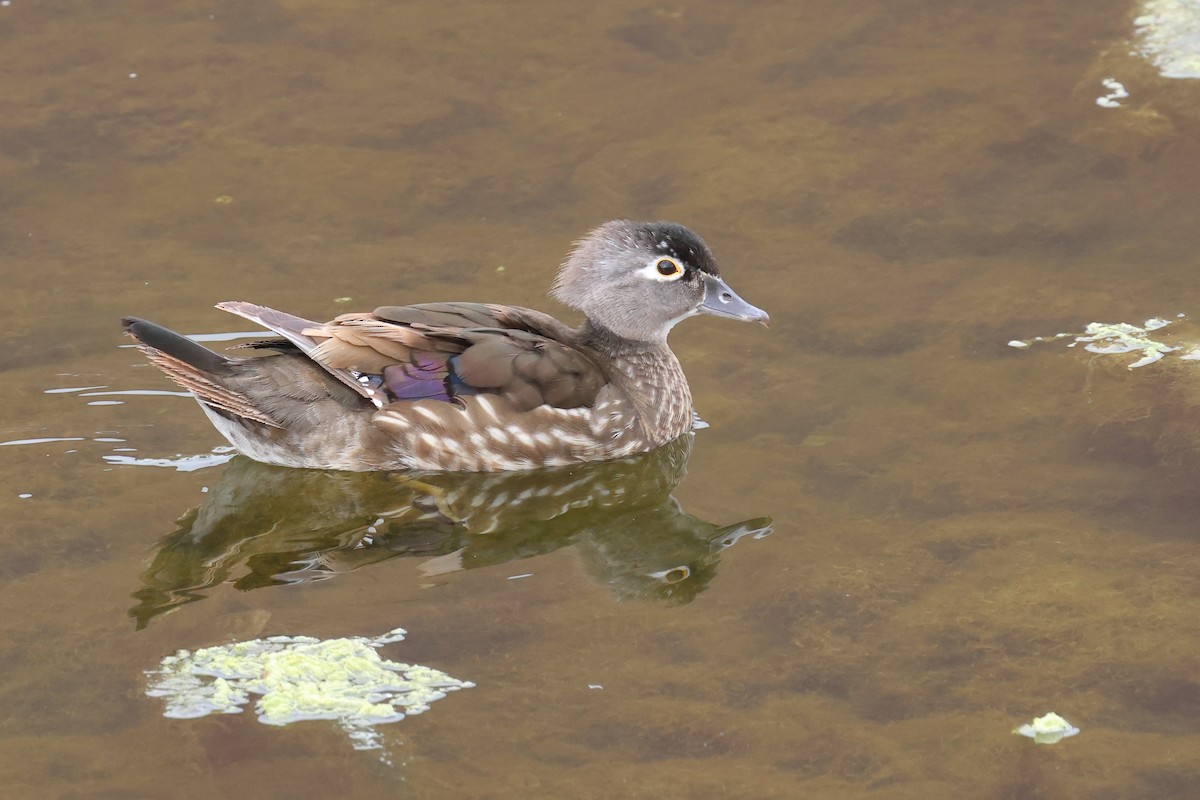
(1116, 93)
(45, 440)
(180, 463)
(66, 389)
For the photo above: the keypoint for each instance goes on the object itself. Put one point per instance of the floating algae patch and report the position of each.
(1168, 35)
(1048, 729)
(1114, 338)
(299, 678)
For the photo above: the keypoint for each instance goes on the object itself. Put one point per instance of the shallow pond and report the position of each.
(899, 539)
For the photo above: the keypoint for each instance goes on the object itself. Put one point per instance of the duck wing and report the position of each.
(444, 352)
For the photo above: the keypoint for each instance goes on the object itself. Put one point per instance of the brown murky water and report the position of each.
(965, 535)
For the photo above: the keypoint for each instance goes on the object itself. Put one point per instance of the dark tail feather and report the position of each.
(195, 368)
(175, 345)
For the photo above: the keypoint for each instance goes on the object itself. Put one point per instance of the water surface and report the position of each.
(964, 535)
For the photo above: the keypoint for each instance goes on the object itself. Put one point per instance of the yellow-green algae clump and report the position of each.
(299, 678)
(1048, 729)
(1114, 338)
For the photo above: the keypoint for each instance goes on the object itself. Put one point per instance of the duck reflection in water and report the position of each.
(263, 525)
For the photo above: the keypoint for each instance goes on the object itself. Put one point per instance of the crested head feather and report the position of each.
(600, 277)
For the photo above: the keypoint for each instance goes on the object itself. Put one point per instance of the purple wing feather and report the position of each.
(428, 377)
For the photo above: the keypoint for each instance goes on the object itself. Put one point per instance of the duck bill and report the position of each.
(721, 301)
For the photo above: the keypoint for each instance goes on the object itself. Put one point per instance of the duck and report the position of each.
(469, 387)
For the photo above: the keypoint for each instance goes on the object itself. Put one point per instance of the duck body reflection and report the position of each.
(263, 525)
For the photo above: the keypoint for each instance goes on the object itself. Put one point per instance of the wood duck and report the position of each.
(469, 386)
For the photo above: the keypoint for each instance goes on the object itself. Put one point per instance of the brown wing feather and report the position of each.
(522, 355)
(529, 370)
(460, 316)
(292, 328)
(442, 315)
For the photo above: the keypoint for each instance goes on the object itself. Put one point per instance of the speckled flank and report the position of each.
(486, 434)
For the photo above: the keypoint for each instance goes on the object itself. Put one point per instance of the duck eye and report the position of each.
(668, 267)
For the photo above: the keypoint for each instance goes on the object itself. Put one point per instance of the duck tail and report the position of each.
(194, 367)
(172, 344)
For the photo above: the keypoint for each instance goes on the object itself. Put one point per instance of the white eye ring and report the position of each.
(654, 269)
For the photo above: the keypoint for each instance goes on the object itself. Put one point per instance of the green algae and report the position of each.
(301, 678)
(1047, 729)
(1114, 338)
